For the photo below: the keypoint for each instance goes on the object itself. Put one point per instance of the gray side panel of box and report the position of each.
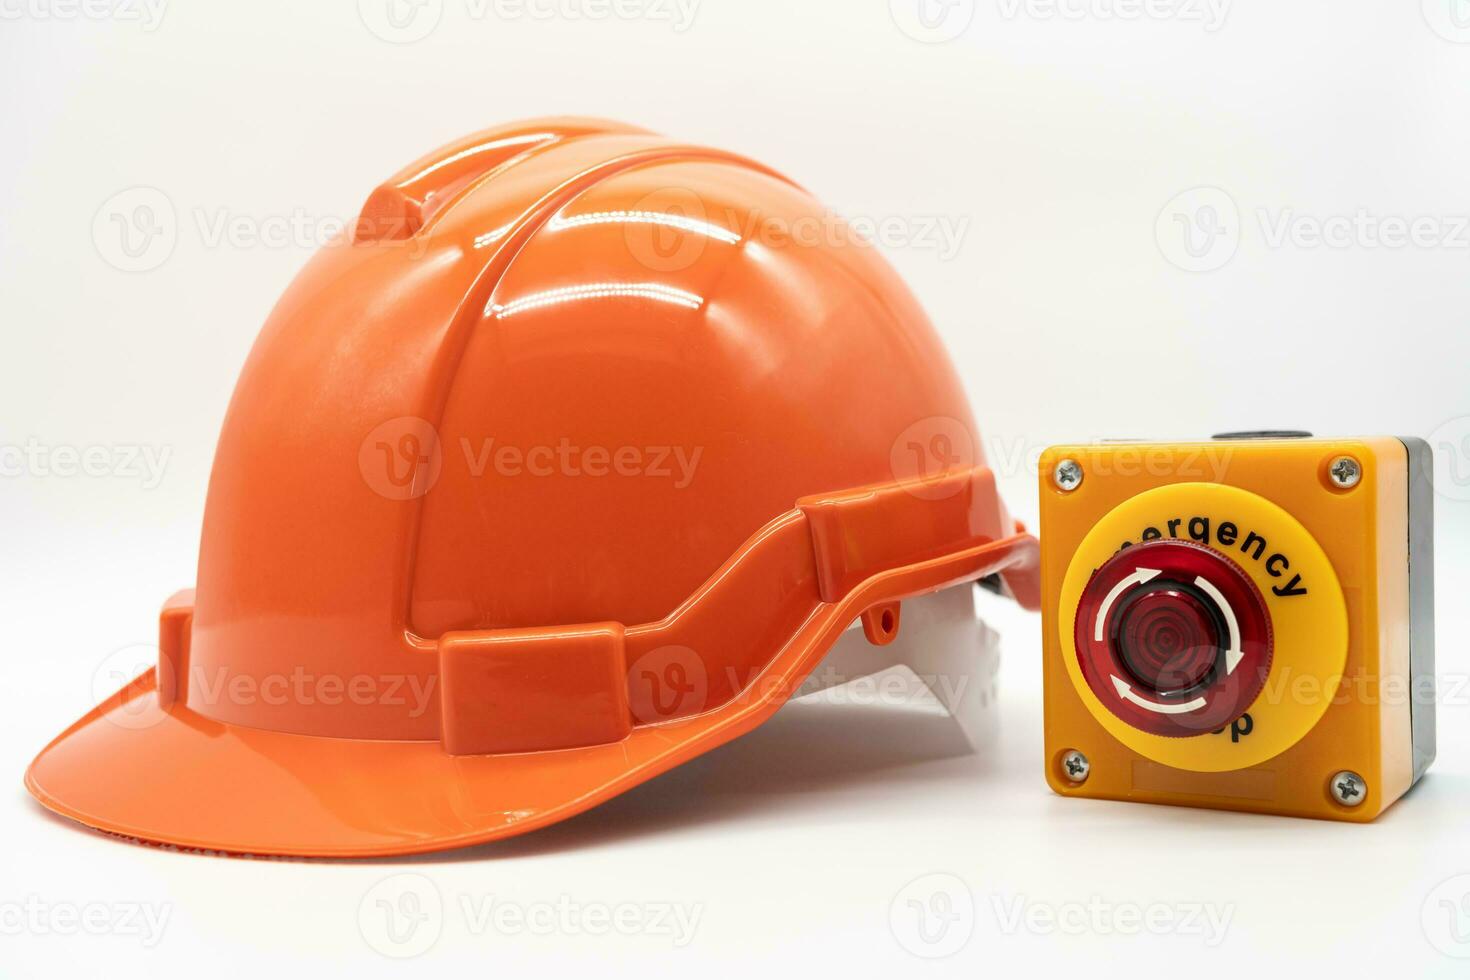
(1421, 600)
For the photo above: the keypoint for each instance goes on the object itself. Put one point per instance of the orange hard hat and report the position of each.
(568, 464)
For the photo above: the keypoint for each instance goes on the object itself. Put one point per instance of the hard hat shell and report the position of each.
(565, 466)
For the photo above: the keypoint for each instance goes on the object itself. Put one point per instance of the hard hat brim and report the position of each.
(165, 774)
(172, 777)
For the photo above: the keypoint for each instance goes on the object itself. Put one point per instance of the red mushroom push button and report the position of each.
(1173, 638)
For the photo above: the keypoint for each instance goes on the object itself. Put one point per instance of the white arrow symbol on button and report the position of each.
(1139, 577)
(1126, 693)
(1233, 653)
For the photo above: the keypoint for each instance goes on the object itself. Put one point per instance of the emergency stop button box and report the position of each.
(1242, 623)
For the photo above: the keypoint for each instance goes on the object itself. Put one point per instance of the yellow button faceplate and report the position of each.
(1303, 598)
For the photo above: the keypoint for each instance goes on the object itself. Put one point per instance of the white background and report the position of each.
(1053, 142)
